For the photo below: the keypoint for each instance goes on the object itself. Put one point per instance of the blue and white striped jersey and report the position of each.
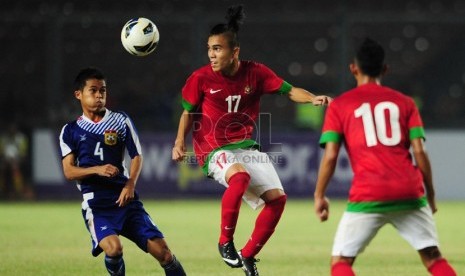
(101, 143)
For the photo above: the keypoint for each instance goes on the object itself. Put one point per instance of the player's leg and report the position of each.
(103, 227)
(224, 169)
(238, 180)
(418, 228)
(355, 231)
(266, 185)
(113, 249)
(265, 225)
(266, 222)
(140, 228)
(159, 249)
(435, 263)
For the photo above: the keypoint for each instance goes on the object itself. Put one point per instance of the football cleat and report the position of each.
(249, 266)
(229, 254)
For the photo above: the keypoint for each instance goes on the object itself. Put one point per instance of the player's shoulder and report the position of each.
(399, 93)
(372, 89)
(72, 124)
(252, 64)
(118, 114)
(70, 127)
(120, 119)
(354, 96)
(255, 68)
(116, 117)
(398, 96)
(344, 96)
(203, 71)
(200, 75)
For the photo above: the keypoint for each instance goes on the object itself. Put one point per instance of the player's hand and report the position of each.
(127, 194)
(322, 208)
(107, 170)
(432, 204)
(321, 100)
(178, 153)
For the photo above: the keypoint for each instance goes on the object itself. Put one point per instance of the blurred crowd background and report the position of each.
(308, 43)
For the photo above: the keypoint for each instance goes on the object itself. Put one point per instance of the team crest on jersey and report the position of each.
(248, 90)
(111, 137)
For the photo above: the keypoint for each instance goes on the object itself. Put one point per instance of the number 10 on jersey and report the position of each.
(374, 123)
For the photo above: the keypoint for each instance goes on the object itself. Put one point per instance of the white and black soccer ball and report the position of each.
(140, 36)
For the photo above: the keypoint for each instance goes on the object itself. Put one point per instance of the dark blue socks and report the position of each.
(115, 265)
(174, 268)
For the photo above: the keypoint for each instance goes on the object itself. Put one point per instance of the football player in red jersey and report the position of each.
(223, 99)
(378, 126)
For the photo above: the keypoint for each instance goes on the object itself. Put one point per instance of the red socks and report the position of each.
(264, 226)
(342, 269)
(231, 203)
(266, 221)
(441, 268)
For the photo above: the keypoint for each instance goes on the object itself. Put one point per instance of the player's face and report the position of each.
(93, 96)
(222, 57)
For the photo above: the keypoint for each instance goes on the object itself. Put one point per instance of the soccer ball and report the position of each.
(140, 36)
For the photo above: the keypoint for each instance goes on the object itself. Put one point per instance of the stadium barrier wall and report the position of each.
(295, 156)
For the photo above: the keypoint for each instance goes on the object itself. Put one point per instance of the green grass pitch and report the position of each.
(49, 238)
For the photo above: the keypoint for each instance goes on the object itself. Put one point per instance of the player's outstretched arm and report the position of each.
(300, 95)
(185, 125)
(326, 171)
(73, 172)
(423, 163)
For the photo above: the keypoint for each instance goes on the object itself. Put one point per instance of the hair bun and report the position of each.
(235, 17)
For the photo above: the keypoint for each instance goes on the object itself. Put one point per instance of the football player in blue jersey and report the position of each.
(92, 149)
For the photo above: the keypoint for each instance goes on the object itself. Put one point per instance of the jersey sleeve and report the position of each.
(285, 88)
(332, 127)
(132, 139)
(66, 141)
(415, 124)
(191, 93)
(271, 83)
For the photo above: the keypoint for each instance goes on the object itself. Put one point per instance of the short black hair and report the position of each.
(370, 57)
(87, 74)
(234, 18)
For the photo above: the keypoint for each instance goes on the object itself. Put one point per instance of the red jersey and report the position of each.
(225, 108)
(376, 124)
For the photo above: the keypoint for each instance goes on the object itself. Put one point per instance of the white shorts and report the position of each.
(356, 230)
(263, 176)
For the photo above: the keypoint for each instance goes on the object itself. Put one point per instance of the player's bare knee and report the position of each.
(112, 246)
(164, 256)
(279, 200)
(159, 249)
(114, 250)
(274, 196)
